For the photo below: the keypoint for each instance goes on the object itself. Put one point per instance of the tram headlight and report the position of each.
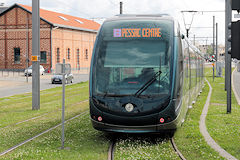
(100, 119)
(129, 107)
(161, 120)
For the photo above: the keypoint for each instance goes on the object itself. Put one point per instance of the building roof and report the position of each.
(2, 9)
(61, 20)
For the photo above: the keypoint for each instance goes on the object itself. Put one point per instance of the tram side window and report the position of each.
(186, 61)
(180, 68)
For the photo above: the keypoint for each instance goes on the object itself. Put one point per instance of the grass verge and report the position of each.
(224, 128)
(19, 107)
(189, 139)
(81, 142)
(81, 138)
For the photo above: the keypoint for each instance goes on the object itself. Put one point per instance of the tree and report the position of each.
(210, 50)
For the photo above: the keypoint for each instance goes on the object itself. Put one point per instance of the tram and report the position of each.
(144, 75)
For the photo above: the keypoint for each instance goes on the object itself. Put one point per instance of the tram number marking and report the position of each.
(137, 32)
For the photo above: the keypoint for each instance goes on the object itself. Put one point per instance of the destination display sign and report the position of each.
(137, 32)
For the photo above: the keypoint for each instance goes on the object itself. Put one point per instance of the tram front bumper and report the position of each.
(134, 129)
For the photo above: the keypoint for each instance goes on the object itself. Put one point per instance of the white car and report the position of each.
(57, 78)
(29, 70)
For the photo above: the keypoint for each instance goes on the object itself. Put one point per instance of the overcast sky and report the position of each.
(108, 8)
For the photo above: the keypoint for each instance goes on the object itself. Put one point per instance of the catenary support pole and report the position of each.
(213, 45)
(213, 35)
(35, 55)
(27, 58)
(217, 69)
(63, 102)
(194, 40)
(217, 42)
(121, 5)
(228, 68)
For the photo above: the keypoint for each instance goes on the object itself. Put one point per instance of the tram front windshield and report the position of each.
(129, 54)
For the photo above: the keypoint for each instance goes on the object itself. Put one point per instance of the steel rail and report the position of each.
(176, 149)
(111, 150)
(46, 131)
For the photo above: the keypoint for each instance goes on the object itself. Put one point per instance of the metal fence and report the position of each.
(11, 73)
(18, 72)
(82, 70)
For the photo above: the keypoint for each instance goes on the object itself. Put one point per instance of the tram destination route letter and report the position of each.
(137, 32)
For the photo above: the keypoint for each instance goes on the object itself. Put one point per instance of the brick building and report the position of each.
(61, 36)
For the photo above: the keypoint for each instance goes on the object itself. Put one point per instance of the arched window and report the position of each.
(86, 54)
(78, 56)
(68, 53)
(16, 55)
(43, 57)
(58, 55)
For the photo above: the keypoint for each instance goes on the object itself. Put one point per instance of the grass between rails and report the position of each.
(80, 136)
(17, 108)
(224, 128)
(144, 147)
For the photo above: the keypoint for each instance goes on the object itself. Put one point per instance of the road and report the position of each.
(12, 85)
(236, 84)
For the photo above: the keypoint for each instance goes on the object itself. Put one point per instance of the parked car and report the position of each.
(29, 70)
(57, 78)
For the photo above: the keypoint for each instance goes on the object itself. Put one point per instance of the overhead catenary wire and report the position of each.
(202, 37)
(202, 11)
(201, 27)
(194, 12)
(190, 24)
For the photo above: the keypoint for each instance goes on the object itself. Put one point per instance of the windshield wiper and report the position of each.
(147, 84)
(106, 94)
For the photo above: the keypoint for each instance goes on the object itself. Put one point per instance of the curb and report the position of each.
(234, 89)
(204, 132)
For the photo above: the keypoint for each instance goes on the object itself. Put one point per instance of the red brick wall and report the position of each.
(72, 39)
(13, 34)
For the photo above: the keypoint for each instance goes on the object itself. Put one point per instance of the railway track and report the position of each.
(111, 149)
(34, 137)
(113, 142)
(176, 149)
(36, 117)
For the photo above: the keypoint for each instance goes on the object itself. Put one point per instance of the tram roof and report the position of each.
(140, 16)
